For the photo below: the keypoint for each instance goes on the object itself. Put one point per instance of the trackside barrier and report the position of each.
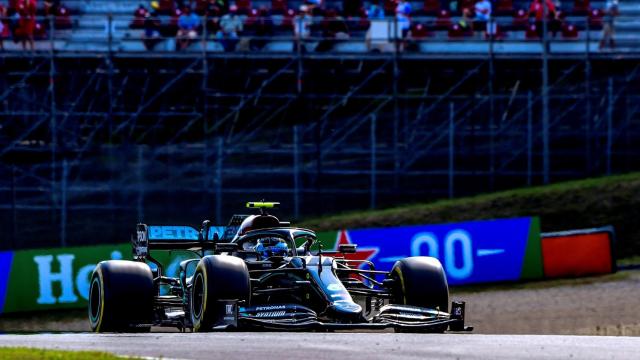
(471, 252)
(579, 252)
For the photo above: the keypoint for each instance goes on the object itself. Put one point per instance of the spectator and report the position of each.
(375, 11)
(403, 17)
(537, 10)
(483, 15)
(26, 23)
(334, 28)
(483, 10)
(264, 29)
(188, 23)
(151, 30)
(466, 22)
(608, 29)
(302, 28)
(230, 26)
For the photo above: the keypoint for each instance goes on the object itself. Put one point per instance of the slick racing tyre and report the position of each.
(217, 277)
(420, 281)
(121, 297)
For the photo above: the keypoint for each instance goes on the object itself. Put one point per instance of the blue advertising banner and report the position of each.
(5, 268)
(471, 252)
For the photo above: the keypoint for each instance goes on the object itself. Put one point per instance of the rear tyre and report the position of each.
(420, 281)
(121, 297)
(217, 277)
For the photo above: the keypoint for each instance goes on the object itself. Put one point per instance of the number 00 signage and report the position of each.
(471, 252)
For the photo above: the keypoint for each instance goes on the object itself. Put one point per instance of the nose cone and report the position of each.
(347, 308)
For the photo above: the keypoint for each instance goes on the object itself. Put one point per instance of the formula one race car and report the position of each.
(261, 274)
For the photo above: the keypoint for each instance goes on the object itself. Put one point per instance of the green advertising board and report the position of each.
(46, 279)
(55, 278)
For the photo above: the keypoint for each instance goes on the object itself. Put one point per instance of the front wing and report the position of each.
(292, 317)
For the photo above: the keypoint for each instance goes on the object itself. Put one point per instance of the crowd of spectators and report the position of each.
(231, 23)
(23, 21)
(236, 25)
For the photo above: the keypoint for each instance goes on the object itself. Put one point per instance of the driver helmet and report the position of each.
(268, 247)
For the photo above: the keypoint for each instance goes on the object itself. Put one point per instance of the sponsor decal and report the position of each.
(176, 232)
(270, 314)
(172, 233)
(271, 307)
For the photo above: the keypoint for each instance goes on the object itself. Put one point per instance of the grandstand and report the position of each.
(106, 25)
(97, 132)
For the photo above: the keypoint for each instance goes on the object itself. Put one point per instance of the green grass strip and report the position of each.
(22, 353)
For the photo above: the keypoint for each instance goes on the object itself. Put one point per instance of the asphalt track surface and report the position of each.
(263, 345)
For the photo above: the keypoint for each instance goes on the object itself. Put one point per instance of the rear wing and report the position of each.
(174, 237)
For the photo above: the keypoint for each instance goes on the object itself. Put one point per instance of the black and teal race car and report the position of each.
(262, 273)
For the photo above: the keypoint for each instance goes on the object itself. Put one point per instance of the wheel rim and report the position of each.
(198, 296)
(94, 300)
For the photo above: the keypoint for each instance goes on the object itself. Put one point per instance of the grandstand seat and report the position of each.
(63, 18)
(561, 14)
(581, 7)
(520, 20)
(201, 7)
(166, 7)
(595, 19)
(431, 6)
(363, 22)
(504, 7)
(531, 32)
(390, 7)
(138, 18)
(278, 7)
(569, 31)
(251, 19)
(172, 26)
(467, 4)
(419, 31)
(284, 22)
(458, 32)
(40, 32)
(244, 7)
(443, 20)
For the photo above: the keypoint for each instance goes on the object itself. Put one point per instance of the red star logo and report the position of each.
(360, 254)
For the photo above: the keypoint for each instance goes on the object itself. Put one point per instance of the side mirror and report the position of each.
(347, 248)
(205, 230)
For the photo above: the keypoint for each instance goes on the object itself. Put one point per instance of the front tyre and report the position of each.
(121, 297)
(217, 277)
(420, 281)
